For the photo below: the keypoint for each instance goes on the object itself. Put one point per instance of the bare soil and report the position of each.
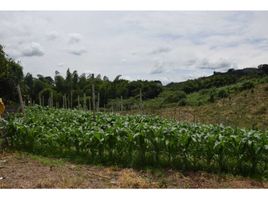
(22, 170)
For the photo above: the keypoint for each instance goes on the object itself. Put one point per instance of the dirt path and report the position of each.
(21, 170)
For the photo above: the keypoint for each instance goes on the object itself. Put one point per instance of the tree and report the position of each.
(10, 75)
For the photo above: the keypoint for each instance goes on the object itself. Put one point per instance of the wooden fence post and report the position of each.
(62, 101)
(51, 99)
(78, 102)
(20, 98)
(89, 103)
(67, 101)
(85, 102)
(71, 106)
(40, 100)
(43, 101)
(121, 103)
(98, 102)
(93, 101)
(141, 106)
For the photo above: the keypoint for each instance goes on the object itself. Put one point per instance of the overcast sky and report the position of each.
(166, 46)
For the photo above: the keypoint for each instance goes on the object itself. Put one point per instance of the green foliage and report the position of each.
(246, 85)
(175, 97)
(222, 93)
(182, 102)
(212, 96)
(219, 79)
(139, 141)
(10, 75)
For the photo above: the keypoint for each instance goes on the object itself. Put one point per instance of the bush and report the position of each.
(182, 102)
(222, 93)
(246, 85)
(212, 95)
(175, 97)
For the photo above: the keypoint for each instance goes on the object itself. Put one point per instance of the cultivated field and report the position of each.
(139, 141)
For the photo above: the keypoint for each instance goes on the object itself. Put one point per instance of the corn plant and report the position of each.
(137, 140)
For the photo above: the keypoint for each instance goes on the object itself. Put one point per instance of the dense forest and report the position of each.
(75, 90)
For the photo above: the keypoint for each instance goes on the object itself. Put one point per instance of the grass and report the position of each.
(47, 161)
(246, 109)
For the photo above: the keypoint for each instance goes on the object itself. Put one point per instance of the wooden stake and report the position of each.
(43, 101)
(51, 99)
(121, 104)
(49, 102)
(67, 101)
(63, 101)
(85, 102)
(141, 100)
(40, 100)
(89, 103)
(31, 101)
(78, 102)
(20, 98)
(98, 102)
(93, 101)
(71, 106)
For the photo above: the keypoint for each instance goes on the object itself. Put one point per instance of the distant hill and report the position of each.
(219, 79)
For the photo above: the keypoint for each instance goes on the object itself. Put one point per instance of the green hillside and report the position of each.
(246, 109)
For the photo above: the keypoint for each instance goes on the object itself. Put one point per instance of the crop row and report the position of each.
(137, 140)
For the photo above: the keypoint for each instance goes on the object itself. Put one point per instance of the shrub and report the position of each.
(175, 97)
(182, 102)
(212, 96)
(246, 85)
(222, 93)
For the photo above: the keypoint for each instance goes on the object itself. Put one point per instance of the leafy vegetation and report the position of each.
(10, 75)
(136, 140)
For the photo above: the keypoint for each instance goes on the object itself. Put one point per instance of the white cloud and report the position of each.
(60, 65)
(145, 45)
(74, 38)
(161, 50)
(218, 65)
(158, 69)
(52, 35)
(33, 49)
(77, 52)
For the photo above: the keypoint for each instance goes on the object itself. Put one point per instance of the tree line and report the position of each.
(70, 89)
(74, 90)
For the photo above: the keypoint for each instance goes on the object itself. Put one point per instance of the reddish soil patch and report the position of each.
(21, 170)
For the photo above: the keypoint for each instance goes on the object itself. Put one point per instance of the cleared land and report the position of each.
(22, 170)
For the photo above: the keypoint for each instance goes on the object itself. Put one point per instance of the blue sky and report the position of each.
(167, 46)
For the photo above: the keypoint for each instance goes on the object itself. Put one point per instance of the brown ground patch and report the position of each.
(21, 170)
